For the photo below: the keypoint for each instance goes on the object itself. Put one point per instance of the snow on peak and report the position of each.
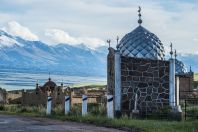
(16, 29)
(6, 41)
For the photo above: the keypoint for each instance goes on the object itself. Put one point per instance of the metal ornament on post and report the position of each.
(109, 42)
(117, 39)
(171, 52)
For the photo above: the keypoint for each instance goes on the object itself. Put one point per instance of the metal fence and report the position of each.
(191, 109)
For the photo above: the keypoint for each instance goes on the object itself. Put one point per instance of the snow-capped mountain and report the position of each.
(36, 56)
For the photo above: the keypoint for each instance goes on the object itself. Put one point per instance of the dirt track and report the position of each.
(10, 123)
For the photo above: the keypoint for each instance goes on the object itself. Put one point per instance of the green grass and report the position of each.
(101, 120)
(195, 76)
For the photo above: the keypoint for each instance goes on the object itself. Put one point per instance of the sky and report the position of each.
(94, 21)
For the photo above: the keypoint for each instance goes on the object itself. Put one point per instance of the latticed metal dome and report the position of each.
(141, 43)
(180, 67)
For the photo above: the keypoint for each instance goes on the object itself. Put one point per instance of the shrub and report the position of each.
(76, 109)
(2, 107)
(58, 110)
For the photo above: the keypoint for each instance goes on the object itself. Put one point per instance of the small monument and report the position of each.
(135, 111)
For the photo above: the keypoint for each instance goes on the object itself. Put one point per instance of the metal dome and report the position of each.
(141, 43)
(180, 67)
(50, 84)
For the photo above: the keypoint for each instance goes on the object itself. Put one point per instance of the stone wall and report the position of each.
(39, 98)
(149, 79)
(110, 72)
(14, 97)
(34, 98)
(58, 97)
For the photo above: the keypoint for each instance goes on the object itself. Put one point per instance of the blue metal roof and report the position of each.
(141, 43)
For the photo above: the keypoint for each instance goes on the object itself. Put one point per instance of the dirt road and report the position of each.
(10, 123)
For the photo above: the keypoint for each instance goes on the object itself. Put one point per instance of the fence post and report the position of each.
(172, 83)
(110, 112)
(67, 104)
(49, 105)
(118, 91)
(84, 105)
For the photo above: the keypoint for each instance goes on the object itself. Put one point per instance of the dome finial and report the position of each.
(139, 20)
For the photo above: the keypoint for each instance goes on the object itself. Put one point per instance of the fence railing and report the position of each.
(188, 95)
(84, 106)
(191, 109)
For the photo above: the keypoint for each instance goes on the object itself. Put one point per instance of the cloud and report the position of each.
(60, 36)
(16, 29)
(171, 21)
(195, 39)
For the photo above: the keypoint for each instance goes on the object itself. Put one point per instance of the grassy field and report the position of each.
(101, 120)
(195, 76)
(96, 85)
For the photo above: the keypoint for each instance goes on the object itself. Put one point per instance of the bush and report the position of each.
(58, 110)
(97, 109)
(76, 109)
(2, 107)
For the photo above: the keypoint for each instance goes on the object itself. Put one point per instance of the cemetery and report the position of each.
(144, 91)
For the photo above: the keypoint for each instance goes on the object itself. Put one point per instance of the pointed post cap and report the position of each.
(109, 42)
(117, 39)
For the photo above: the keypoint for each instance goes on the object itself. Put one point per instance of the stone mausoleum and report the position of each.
(39, 96)
(140, 78)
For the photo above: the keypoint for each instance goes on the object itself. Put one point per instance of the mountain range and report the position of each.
(36, 56)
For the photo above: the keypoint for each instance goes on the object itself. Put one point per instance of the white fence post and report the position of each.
(172, 83)
(110, 112)
(49, 105)
(84, 105)
(118, 93)
(67, 104)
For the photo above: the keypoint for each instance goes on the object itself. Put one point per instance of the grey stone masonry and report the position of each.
(149, 79)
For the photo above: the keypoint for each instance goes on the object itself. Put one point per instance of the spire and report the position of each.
(171, 52)
(139, 20)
